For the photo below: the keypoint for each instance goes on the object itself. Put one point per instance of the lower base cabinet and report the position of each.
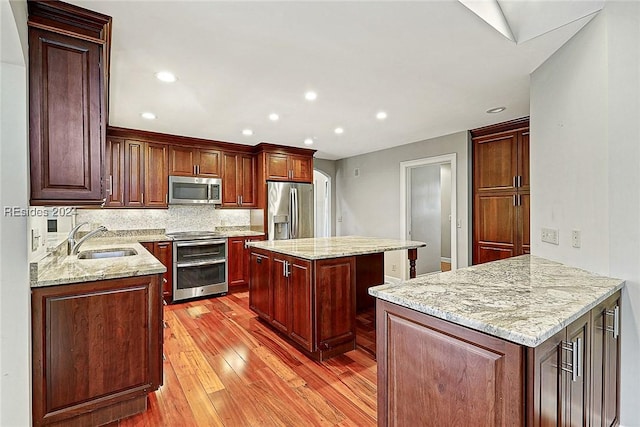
(238, 255)
(452, 375)
(163, 251)
(97, 350)
(312, 303)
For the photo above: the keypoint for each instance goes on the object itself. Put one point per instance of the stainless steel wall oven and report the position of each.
(199, 265)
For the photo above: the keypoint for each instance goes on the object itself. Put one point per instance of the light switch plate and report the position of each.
(576, 240)
(550, 235)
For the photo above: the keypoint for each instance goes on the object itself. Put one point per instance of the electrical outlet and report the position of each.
(394, 267)
(576, 240)
(550, 235)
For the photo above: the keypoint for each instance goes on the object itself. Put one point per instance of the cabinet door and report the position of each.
(452, 375)
(209, 163)
(576, 389)
(525, 224)
(494, 227)
(335, 292)
(300, 329)
(235, 270)
(247, 180)
(156, 181)
(259, 286)
(94, 344)
(114, 167)
(66, 108)
(182, 161)
(164, 252)
(523, 160)
(134, 173)
(605, 362)
(495, 162)
(301, 168)
(547, 397)
(277, 166)
(229, 180)
(280, 292)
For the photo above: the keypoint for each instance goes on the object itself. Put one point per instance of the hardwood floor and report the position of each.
(224, 367)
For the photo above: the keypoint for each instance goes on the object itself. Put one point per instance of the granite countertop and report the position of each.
(70, 269)
(335, 247)
(525, 299)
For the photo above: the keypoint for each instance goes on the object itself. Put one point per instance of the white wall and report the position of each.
(369, 204)
(585, 165)
(329, 168)
(15, 354)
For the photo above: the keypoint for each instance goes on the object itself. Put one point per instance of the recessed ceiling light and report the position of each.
(149, 116)
(274, 117)
(247, 132)
(339, 131)
(310, 96)
(308, 141)
(496, 110)
(166, 76)
(381, 115)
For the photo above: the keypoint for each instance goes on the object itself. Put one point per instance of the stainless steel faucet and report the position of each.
(75, 245)
(72, 235)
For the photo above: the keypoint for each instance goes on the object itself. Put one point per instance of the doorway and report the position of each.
(428, 211)
(322, 203)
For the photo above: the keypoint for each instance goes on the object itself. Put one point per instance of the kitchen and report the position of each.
(606, 213)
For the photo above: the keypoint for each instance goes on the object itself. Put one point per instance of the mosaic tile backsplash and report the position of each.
(176, 218)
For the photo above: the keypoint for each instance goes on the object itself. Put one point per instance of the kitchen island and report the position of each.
(309, 289)
(522, 341)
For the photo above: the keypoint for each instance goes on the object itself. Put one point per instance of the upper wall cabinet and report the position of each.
(289, 167)
(68, 81)
(190, 161)
(238, 180)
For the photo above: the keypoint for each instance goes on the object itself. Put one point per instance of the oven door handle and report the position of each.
(200, 263)
(200, 243)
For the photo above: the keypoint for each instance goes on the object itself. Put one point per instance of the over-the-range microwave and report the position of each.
(186, 190)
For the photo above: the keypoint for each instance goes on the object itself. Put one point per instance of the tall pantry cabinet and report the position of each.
(501, 196)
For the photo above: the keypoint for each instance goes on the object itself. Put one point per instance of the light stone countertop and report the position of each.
(525, 299)
(70, 269)
(335, 247)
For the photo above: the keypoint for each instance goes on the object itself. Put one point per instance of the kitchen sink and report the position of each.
(107, 253)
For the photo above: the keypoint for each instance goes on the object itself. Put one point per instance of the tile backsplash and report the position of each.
(176, 218)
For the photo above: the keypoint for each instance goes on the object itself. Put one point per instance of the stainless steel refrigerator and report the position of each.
(289, 210)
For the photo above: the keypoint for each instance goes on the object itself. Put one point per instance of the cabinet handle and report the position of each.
(110, 185)
(575, 367)
(515, 200)
(284, 268)
(198, 169)
(616, 321)
(519, 181)
(166, 198)
(515, 181)
(142, 202)
(519, 200)
(194, 170)
(122, 196)
(240, 200)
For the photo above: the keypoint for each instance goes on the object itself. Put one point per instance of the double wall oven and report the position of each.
(199, 264)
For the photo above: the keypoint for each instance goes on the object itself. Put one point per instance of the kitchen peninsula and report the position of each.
(521, 341)
(309, 289)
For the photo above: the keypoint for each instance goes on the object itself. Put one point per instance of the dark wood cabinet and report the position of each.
(501, 200)
(238, 180)
(137, 174)
(238, 260)
(289, 167)
(432, 372)
(68, 71)
(192, 161)
(260, 285)
(312, 303)
(114, 172)
(156, 176)
(97, 350)
(134, 174)
(560, 372)
(605, 363)
(163, 251)
(468, 377)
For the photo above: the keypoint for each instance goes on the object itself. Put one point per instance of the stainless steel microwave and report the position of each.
(186, 190)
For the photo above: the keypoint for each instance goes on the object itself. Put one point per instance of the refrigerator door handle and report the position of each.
(290, 222)
(294, 213)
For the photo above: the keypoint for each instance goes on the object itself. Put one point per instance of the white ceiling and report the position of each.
(434, 67)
